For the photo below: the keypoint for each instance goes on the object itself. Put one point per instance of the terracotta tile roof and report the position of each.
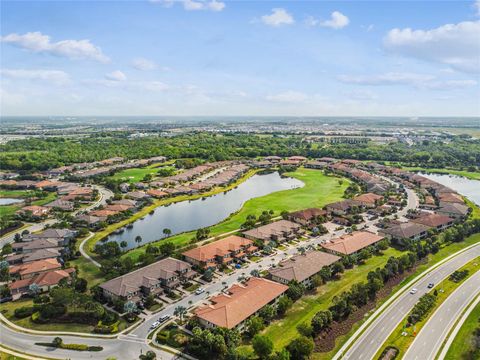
(433, 220)
(301, 267)
(221, 247)
(451, 197)
(406, 230)
(34, 267)
(35, 209)
(118, 207)
(369, 198)
(276, 228)
(453, 208)
(350, 243)
(48, 278)
(156, 193)
(229, 310)
(308, 214)
(103, 213)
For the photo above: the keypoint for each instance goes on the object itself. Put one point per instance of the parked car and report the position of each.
(413, 291)
(199, 291)
(163, 318)
(155, 325)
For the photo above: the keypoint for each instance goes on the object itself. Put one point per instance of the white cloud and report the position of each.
(56, 77)
(143, 64)
(153, 85)
(116, 75)
(476, 5)
(422, 81)
(72, 49)
(456, 45)
(278, 17)
(337, 21)
(361, 94)
(288, 97)
(194, 5)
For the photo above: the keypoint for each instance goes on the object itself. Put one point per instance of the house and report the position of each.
(351, 243)
(157, 193)
(307, 216)
(61, 204)
(34, 210)
(220, 252)
(450, 197)
(47, 185)
(327, 159)
(43, 243)
(369, 200)
(103, 213)
(302, 267)
(342, 207)
(124, 187)
(315, 164)
(408, 230)
(34, 255)
(118, 207)
(436, 221)
(63, 235)
(45, 281)
(232, 309)
(455, 210)
(166, 274)
(273, 159)
(137, 195)
(279, 231)
(90, 220)
(26, 271)
(298, 159)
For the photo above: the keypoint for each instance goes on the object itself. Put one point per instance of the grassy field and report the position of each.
(468, 174)
(402, 343)
(9, 210)
(318, 191)
(13, 193)
(281, 332)
(5, 356)
(137, 174)
(464, 339)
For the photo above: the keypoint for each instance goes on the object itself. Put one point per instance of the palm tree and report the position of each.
(255, 273)
(180, 311)
(123, 244)
(302, 250)
(33, 289)
(167, 232)
(138, 239)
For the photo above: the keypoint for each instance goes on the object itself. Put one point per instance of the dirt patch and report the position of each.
(325, 341)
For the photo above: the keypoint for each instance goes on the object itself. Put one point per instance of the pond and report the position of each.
(9, 201)
(466, 187)
(195, 214)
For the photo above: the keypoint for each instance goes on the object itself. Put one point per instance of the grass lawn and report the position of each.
(134, 175)
(464, 339)
(13, 193)
(402, 343)
(318, 191)
(281, 332)
(193, 287)
(9, 210)
(464, 173)
(5, 356)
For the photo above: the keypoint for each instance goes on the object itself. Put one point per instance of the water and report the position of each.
(191, 215)
(466, 187)
(9, 201)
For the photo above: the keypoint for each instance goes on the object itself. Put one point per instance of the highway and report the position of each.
(430, 338)
(104, 195)
(371, 340)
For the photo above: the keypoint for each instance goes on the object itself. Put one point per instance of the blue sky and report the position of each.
(212, 57)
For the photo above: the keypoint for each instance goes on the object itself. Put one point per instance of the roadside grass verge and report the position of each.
(444, 290)
(318, 191)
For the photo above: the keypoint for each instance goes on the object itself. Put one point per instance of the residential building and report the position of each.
(436, 221)
(153, 279)
(232, 309)
(307, 216)
(351, 243)
(65, 235)
(369, 200)
(34, 210)
(408, 230)
(278, 231)
(220, 252)
(454, 210)
(61, 204)
(302, 268)
(342, 207)
(25, 271)
(45, 281)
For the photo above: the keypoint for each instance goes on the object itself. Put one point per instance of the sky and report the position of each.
(213, 57)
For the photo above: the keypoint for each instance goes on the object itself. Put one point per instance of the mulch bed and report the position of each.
(325, 341)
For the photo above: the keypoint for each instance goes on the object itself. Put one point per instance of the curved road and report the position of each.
(375, 335)
(430, 338)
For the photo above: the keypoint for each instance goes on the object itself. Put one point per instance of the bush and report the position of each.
(76, 347)
(101, 328)
(24, 312)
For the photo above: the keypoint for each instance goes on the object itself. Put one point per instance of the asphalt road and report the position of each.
(370, 341)
(429, 340)
(104, 193)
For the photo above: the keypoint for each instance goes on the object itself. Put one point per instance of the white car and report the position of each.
(413, 291)
(199, 291)
(155, 325)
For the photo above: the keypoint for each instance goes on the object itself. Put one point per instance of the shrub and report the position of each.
(101, 328)
(23, 312)
(77, 347)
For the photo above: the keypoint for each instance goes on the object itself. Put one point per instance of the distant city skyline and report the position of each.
(240, 58)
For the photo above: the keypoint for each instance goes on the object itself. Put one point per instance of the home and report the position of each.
(165, 274)
(61, 204)
(454, 210)
(369, 200)
(315, 164)
(351, 243)
(232, 309)
(450, 197)
(302, 267)
(103, 213)
(308, 216)
(34, 255)
(89, 220)
(45, 282)
(34, 210)
(279, 231)
(436, 221)
(62, 235)
(220, 252)
(343, 207)
(408, 230)
(26, 271)
(157, 193)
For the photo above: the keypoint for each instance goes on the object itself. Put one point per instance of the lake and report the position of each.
(467, 187)
(195, 214)
(9, 201)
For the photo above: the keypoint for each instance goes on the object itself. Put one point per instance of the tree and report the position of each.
(17, 238)
(267, 313)
(305, 329)
(130, 307)
(33, 289)
(57, 342)
(167, 248)
(295, 290)
(262, 346)
(62, 295)
(138, 239)
(300, 348)
(149, 301)
(321, 321)
(123, 244)
(284, 303)
(254, 325)
(317, 280)
(255, 273)
(81, 285)
(281, 355)
(149, 355)
(7, 249)
(180, 311)
(167, 232)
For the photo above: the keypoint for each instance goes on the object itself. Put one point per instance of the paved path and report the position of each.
(84, 253)
(430, 338)
(375, 335)
(104, 193)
